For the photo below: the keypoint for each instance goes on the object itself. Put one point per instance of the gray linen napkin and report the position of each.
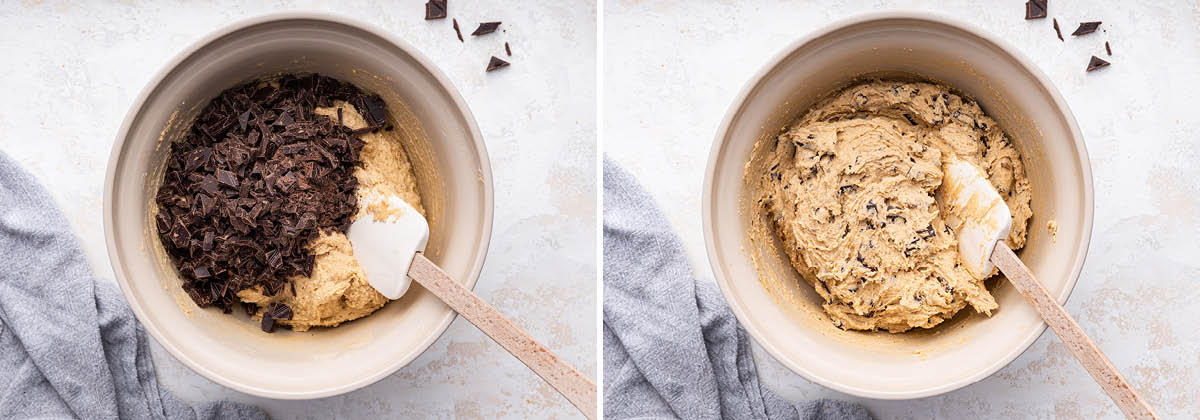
(69, 346)
(672, 348)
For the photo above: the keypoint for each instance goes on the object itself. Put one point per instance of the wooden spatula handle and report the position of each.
(578, 389)
(1069, 332)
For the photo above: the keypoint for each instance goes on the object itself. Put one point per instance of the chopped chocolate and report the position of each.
(1107, 48)
(1035, 9)
(486, 28)
(275, 311)
(456, 30)
(1086, 28)
(255, 180)
(1096, 63)
(435, 9)
(1058, 31)
(508, 50)
(496, 63)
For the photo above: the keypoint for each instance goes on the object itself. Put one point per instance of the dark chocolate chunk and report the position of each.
(1096, 63)
(486, 28)
(435, 9)
(1107, 48)
(508, 50)
(1035, 9)
(256, 178)
(457, 31)
(1086, 28)
(376, 111)
(227, 178)
(1058, 31)
(496, 63)
(201, 272)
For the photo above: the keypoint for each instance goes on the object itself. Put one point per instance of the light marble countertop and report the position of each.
(671, 69)
(71, 69)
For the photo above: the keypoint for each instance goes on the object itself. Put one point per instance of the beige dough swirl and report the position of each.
(850, 191)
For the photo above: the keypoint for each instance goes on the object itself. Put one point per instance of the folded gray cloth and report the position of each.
(672, 348)
(69, 346)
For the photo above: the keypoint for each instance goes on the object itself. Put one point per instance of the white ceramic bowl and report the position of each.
(783, 313)
(441, 137)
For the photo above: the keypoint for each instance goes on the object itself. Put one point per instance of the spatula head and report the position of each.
(974, 209)
(385, 238)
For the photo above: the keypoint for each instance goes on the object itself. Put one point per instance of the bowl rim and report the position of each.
(738, 103)
(169, 68)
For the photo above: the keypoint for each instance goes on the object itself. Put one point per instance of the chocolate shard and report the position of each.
(507, 50)
(486, 28)
(1107, 48)
(1096, 63)
(457, 31)
(1058, 31)
(201, 272)
(376, 110)
(435, 9)
(496, 63)
(227, 178)
(1086, 28)
(1035, 9)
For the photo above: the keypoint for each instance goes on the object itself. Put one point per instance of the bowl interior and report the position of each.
(783, 312)
(453, 174)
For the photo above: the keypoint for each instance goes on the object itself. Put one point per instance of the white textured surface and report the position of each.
(672, 68)
(70, 71)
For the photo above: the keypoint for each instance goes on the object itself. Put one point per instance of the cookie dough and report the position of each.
(850, 191)
(337, 291)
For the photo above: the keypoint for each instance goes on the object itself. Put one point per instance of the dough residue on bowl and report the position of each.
(338, 291)
(850, 190)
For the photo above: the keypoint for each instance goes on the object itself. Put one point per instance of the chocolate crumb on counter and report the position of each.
(486, 28)
(435, 9)
(1058, 31)
(254, 180)
(508, 50)
(496, 63)
(1035, 9)
(1086, 28)
(457, 31)
(1107, 48)
(1096, 63)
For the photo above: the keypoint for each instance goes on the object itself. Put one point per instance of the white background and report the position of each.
(69, 71)
(671, 69)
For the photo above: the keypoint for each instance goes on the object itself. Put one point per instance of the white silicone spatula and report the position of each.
(389, 244)
(981, 222)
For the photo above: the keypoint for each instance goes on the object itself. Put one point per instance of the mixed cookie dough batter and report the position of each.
(850, 190)
(338, 290)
